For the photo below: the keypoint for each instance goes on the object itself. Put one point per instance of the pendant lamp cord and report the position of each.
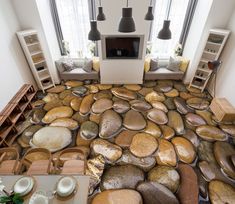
(127, 3)
(151, 2)
(100, 2)
(168, 9)
(92, 10)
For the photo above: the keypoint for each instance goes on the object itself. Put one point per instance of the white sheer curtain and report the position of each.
(165, 48)
(75, 24)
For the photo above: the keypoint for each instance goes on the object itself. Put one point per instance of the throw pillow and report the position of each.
(147, 64)
(87, 67)
(174, 64)
(153, 64)
(96, 64)
(68, 65)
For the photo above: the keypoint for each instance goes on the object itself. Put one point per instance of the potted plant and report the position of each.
(14, 198)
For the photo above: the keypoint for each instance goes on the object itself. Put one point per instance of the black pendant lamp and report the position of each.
(94, 34)
(149, 16)
(100, 16)
(165, 32)
(127, 23)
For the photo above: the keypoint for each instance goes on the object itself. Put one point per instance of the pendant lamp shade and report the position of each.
(149, 16)
(94, 34)
(127, 23)
(165, 33)
(101, 16)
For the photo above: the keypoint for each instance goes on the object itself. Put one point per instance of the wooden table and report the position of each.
(48, 183)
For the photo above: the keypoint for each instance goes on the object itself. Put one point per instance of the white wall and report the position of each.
(14, 68)
(225, 77)
(29, 17)
(218, 17)
(123, 71)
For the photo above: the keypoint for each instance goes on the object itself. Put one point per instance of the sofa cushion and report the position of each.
(96, 64)
(68, 65)
(174, 64)
(87, 66)
(78, 71)
(147, 64)
(154, 64)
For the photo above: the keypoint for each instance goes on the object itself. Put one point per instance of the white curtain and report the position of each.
(165, 48)
(75, 24)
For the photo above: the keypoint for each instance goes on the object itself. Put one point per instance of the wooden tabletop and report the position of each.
(47, 184)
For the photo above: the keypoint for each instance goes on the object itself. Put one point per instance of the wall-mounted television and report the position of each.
(122, 47)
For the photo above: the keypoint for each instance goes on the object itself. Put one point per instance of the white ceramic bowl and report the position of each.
(38, 199)
(65, 186)
(24, 185)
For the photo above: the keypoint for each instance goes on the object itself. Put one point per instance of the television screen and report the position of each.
(122, 47)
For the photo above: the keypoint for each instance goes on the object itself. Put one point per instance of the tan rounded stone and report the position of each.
(124, 138)
(172, 93)
(207, 116)
(230, 129)
(159, 105)
(167, 132)
(104, 86)
(124, 93)
(95, 117)
(193, 90)
(65, 122)
(73, 84)
(176, 122)
(111, 152)
(65, 93)
(157, 116)
(198, 103)
(80, 118)
(92, 88)
(86, 104)
(186, 95)
(154, 96)
(103, 94)
(144, 91)
(75, 103)
(152, 129)
(38, 103)
(121, 106)
(56, 89)
(133, 120)
(132, 87)
(140, 105)
(166, 154)
(50, 97)
(58, 112)
(143, 145)
(211, 133)
(184, 149)
(82, 142)
(101, 105)
(67, 100)
(194, 119)
(221, 193)
(52, 104)
(122, 196)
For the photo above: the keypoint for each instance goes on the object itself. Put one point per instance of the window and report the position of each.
(74, 18)
(177, 14)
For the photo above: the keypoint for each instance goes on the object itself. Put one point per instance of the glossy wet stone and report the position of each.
(124, 93)
(103, 94)
(86, 104)
(155, 193)
(176, 122)
(118, 197)
(163, 88)
(198, 103)
(140, 105)
(192, 137)
(145, 163)
(221, 192)
(38, 115)
(180, 86)
(67, 100)
(154, 96)
(50, 97)
(79, 91)
(134, 120)
(205, 152)
(121, 106)
(166, 176)
(82, 142)
(64, 93)
(132, 87)
(223, 152)
(188, 182)
(167, 132)
(194, 120)
(58, 112)
(157, 116)
(73, 83)
(95, 117)
(119, 177)
(101, 105)
(230, 129)
(159, 105)
(207, 170)
(186, 95)
(38, 104)
(110, 124)
(143, 145)
(65, 122)
(184, 149)
(144, 91)
(92, 88)
(89, 130)
(165, 154)
(104, 86)
(172, 93)
(52, 104)
(75, 103)
(211, 133)
(124, 138)
(52, 138)
(80, 118)
(110, 151)
(169, 103)
(181, 106)
(152, 129)
(56, 89)
(207, 116)
(150, 84)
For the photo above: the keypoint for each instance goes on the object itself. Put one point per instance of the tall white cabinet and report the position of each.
(34, 54)
(212, 50)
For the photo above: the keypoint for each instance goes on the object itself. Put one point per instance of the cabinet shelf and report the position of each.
(32, 44)
(36, 53)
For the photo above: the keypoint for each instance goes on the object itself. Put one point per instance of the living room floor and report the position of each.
(159, 138)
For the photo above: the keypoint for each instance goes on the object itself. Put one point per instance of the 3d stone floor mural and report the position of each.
(151, 143)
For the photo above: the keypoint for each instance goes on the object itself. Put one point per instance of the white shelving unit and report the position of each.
(36, 59)
(212, 50)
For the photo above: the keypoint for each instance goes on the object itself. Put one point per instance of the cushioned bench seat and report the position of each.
(163, 73)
